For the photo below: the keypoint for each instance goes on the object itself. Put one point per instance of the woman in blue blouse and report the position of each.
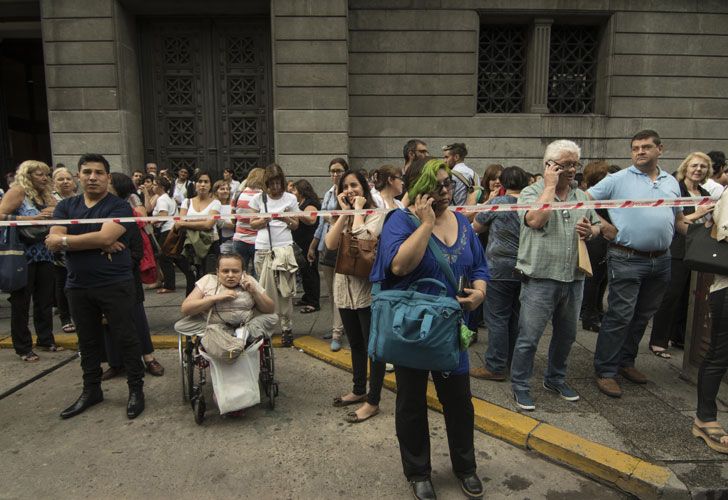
(403, 257)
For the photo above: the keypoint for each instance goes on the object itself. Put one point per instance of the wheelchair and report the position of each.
(193, 372)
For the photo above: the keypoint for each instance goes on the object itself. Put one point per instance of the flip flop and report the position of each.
(353, 418)
(30, 357)
(338, 402)
(309, 309)
(50, 348)
(166, 290)
(712, 437)
(661, 353)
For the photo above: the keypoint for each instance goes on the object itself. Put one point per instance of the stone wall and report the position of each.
(310, 81)
(92, 81)
(413, 74)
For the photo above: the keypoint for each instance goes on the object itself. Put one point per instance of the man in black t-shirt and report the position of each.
(100, 282)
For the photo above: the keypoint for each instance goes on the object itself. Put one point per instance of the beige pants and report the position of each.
(337, 329)
(284, 306)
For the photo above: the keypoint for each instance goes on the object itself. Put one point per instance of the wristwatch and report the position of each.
(64, 242)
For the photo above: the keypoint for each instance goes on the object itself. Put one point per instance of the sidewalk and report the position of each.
(650, 422)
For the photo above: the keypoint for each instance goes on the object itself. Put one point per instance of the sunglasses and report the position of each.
(446, 184)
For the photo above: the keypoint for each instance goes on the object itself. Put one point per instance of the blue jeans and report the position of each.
(501, 310)
(247, 252)
(636, 287)
(541, 300)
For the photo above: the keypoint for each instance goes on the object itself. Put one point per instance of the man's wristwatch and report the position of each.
(64, 243)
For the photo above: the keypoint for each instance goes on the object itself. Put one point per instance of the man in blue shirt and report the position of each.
(100, 282)
(638, 259)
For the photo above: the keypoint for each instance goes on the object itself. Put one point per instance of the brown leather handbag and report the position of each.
(174, 242)
(356, 256)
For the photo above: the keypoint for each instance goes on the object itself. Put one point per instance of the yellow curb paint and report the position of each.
(584, 455)
(624, 471)
(159, 341)
(504, 424)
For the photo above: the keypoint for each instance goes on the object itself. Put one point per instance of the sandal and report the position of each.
(309, 309)
(69, 328)
(353, 418)
(166, 290)
(30, 357)
(660, 352)
(712, 437)
(50, 348)
(340, 402)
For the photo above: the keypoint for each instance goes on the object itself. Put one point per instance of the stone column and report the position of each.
(91, 81)
(538, 67)
(310, 86)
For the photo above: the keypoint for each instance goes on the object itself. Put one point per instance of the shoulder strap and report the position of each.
(468, 184)
(264, 197)
(439, 257)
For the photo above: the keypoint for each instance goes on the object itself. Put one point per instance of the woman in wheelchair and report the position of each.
(230, 297)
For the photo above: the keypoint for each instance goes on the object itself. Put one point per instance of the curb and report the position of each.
(161, 341)
(616, 468)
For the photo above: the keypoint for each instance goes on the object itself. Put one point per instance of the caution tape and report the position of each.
(503, 207)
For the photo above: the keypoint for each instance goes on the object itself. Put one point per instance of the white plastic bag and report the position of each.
(236, 385)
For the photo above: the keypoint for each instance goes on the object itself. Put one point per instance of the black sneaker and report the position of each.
(287, 338)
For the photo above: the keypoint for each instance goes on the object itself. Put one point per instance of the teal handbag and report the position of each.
(414, 329)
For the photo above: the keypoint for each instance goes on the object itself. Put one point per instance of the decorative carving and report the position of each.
(241, 166)
(178, 90)
(501, 68)
(243, 91)
(176, 163)
(240, 50)
(244, 132)
(181, 132)
(572, 69)
(176, 50)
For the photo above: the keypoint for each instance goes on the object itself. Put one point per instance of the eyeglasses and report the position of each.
(446, 184)
(337, 171)
(569, 164)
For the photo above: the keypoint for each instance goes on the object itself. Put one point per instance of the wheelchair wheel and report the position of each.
(190, 368)
(267, 374)
(185, 362)
(198, 406)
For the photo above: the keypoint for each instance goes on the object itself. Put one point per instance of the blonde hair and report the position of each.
(24, 182)
(683, 168)
(255, 178)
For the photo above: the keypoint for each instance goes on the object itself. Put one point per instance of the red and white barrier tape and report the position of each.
(506, 207)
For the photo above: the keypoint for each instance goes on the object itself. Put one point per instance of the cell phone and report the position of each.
(462, 285)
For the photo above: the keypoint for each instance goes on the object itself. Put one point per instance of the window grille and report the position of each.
(572, 69)
(501, 68)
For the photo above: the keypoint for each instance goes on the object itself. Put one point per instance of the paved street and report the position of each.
(302, 449)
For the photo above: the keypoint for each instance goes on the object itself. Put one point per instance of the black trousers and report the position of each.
(113, 352)
(715, 364)
(413, 430)
(594, 287)
(167, 265)
(60, 274)
(40, 288)
(669, 321)
(356, 326)
(115, 302)
(310, 280)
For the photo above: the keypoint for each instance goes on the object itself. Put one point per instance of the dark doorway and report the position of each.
(207, 93)
(23, 106)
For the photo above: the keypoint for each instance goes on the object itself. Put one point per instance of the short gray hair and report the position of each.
(556, 148)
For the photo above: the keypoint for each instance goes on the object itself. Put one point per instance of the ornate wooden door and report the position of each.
(206, 94)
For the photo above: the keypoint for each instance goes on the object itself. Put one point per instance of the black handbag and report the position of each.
(30, 235)
(703, 252)
(13, 263)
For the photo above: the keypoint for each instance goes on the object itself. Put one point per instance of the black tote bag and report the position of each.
(13, 264)
(703, 252)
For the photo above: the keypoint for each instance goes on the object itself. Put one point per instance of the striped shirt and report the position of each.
(243, 231)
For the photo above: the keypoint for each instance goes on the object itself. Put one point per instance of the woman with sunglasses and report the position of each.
(403, 257)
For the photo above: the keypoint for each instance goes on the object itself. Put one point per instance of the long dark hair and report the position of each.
(123, 185)
(364, 186)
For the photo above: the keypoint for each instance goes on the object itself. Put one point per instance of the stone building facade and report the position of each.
(224, 82)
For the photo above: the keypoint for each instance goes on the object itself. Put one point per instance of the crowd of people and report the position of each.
(517, 271)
